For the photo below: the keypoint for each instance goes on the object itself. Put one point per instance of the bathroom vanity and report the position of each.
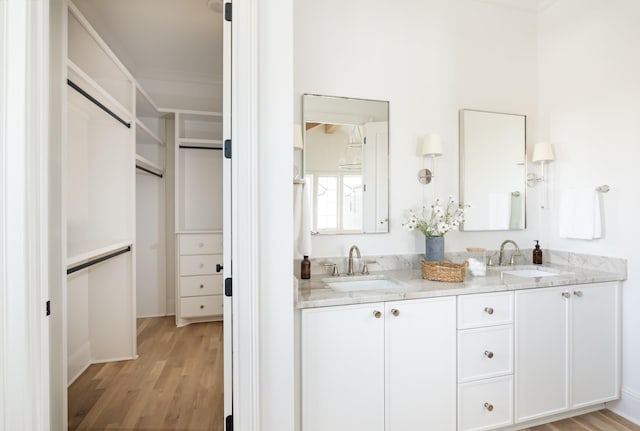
(505, 351)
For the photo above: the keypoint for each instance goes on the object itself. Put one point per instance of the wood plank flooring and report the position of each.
(602, 420)
(175, 384)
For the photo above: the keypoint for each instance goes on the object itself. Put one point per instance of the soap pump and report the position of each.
(537, 254)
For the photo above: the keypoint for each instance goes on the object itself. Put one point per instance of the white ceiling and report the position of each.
(172, 40)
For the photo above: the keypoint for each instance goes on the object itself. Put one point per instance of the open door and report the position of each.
(226, 223)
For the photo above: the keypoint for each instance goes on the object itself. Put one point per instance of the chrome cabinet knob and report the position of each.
(578, 293)
(201, 244)
(202, 265)
(488, 406)
(488, 354)
(566, 294)
(377, 314)
(395, 312)
(488, 310)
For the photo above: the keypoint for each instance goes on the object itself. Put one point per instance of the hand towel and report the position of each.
(580, 214)
(301, 219)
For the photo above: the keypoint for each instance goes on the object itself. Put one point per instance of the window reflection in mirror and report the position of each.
(346, 146)
(492, 170)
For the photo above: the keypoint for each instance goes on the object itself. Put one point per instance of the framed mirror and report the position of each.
(493, 175)
(346, 163)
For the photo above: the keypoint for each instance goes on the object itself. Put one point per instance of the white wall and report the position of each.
(429, 59)
(589, 93)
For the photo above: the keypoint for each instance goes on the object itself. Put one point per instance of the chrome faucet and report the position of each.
(512, 261)
(350, 263)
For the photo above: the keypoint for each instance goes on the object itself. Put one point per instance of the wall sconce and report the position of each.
(542, 153)
(429, 146)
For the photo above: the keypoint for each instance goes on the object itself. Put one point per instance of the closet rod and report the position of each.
(149, 171)
(191, 147)
(97, 260)
(94, 100)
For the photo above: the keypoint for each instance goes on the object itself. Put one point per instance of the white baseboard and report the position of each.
(78, 362)
(628, 406)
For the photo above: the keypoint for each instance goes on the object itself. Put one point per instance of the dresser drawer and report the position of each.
(200, 243)
(485, 352)
(200, 264)
(485, 404)
(485, 309)
(199, 306)
(195, 285)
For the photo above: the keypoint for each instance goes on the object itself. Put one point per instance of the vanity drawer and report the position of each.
(199, 306)
(485, 352)
(200, 264)
(200, 243)
(485, 309)
(485, 404)
(195, 285)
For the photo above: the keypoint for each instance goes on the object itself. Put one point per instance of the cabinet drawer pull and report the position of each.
(202, 265)
(201, 286)
(488, 354)
(377, 314)
(488, 406)
(578, 293)
(395, 312)
(202, 307)
(488, 310)
(566, 294)
(201, 244)
(219, 267)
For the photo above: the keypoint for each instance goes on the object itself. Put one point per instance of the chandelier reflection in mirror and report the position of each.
(351, 159)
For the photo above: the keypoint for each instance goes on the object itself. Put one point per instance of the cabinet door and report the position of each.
(541, 344)
(343, 368)
(421, 365)
(595, 342)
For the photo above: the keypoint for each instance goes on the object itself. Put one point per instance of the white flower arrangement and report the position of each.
(437, 219)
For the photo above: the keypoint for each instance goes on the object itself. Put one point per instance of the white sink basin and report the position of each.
(530, 273)
(353, 284)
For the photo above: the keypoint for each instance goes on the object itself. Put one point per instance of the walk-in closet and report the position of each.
(143, 162)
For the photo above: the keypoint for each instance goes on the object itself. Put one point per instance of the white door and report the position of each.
(595, 344)
(421, 365)
(343, 368)
(541, 344)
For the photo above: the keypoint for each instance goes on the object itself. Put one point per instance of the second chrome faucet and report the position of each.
(353, 248)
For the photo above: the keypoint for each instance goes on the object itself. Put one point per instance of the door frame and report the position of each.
(24, 200)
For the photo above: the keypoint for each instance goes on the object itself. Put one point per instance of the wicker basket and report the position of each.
(443, 271)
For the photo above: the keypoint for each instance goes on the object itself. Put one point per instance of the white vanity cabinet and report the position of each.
(567, 348)
(380, 366)
(485, 361)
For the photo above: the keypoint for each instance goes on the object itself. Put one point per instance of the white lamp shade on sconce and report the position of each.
(430, 146)
(543, 152)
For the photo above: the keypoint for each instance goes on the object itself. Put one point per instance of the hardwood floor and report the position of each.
(602, 420)
(175, 384)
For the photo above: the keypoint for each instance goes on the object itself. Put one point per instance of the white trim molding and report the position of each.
(628, 406)
(262, 214)
(24, 330)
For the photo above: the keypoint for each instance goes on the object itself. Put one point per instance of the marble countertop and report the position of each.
(315, 293)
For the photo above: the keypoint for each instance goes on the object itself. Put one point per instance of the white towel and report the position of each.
(580, 214)
(301, 219)
(499, 211)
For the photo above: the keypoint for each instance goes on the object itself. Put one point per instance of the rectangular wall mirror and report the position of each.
(346, 163)
(493, 170)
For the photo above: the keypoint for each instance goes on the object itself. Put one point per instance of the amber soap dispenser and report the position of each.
(537, 254)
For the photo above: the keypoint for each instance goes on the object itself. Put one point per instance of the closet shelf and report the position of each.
(84, 251)
(141, 126)
(148, 165)
(145, 107)
(197, 231)
(88, 84)
(191, 112)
